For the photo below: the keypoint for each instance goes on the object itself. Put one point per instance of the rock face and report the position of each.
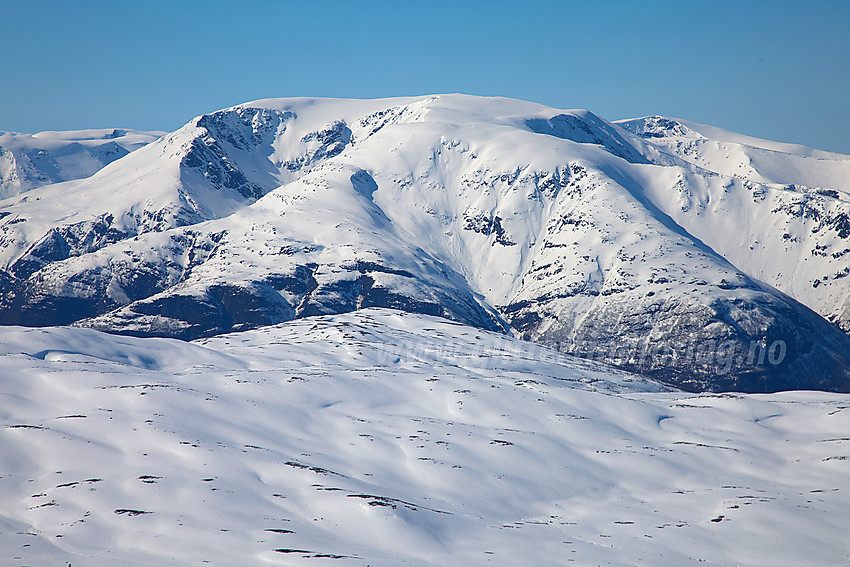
(635, 245)
(756, 342)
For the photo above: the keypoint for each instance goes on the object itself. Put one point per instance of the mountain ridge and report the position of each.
(575, 231)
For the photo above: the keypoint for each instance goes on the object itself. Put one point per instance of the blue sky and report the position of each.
(777, 70)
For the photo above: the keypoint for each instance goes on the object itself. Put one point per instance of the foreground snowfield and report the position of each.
(383, 438)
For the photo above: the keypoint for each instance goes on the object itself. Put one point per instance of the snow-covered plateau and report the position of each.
(441, 330)
(386, 438)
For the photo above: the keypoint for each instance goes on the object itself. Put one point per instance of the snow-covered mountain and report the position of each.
(789, 201)
(353, 279)
(638, 244)
(386, 438)
(28, 161)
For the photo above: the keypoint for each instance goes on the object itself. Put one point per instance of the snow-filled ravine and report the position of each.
(384, 438)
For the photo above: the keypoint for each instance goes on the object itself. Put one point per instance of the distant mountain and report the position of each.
(28, 161)
(701, 258)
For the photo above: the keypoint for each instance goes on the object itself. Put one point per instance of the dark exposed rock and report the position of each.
(325, 143)
(764, 343)
(242, 129)
(483, 223)
(193, 312)
(656, 127)
(61, 294)
(63, 242)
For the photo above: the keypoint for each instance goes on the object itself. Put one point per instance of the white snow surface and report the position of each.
(385, 438)
(28, 161)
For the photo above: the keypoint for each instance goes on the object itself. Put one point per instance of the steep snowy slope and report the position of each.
(780, 210)
(492, 212)
(28, 161)
(384, 438)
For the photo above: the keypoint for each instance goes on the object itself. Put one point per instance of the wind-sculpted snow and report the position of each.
(385, 438)
(637, 245)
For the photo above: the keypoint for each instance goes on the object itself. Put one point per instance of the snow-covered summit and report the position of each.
(738, 155)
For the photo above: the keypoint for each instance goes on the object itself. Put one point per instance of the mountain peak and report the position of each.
(658, 127)
(619, 242)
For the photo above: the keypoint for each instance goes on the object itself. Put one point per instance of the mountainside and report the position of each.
(381, 438)
(646, 244)
(781, 210)
(28, 161)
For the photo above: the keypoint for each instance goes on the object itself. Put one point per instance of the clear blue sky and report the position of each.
(778, 70)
